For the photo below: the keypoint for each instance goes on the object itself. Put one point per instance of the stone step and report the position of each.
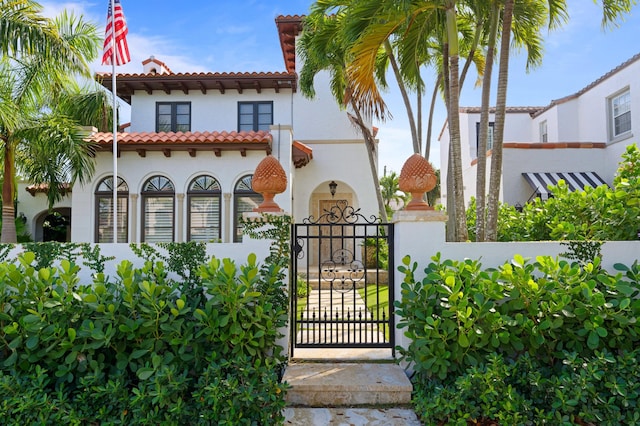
(347, 385)
(305, 416)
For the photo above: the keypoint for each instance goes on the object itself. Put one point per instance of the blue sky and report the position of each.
(240, 36)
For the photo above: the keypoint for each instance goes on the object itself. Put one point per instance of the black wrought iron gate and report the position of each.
(342, 282)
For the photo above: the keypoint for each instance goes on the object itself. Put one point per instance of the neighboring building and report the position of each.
(186, 161)
(579, 138)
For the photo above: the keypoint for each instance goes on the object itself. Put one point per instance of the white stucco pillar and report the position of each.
(180, 218)
(227, 223)
(133, 218)
(418, 231)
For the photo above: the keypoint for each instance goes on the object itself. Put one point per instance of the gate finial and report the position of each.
(268, 180)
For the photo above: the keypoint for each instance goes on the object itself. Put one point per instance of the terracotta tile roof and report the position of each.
(44, 188)
(289, 27)
(492, 110)
(127, 84)
(555, 145)
(185, 141)
(302, 154)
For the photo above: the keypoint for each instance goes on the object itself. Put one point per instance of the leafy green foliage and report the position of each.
(184, 259)
(500, 344)
(133, 350)
(376, 252)
(582, 390)
(601, 214)
(47, 253)
(460, 313)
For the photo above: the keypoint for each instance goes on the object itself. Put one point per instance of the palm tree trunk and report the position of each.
(434, 96)
(452, 231)
(454, 123)
(405, 96)
(481, 176)
(501, 101)
(371, 153)
(8, 210)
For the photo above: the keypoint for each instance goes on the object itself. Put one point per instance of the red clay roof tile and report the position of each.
(173, 138)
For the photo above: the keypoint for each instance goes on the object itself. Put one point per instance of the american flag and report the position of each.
(117, 25)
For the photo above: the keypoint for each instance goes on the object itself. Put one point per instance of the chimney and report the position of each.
(155, 66)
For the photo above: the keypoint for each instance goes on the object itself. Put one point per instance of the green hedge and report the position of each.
(133, 351)
(463, 321)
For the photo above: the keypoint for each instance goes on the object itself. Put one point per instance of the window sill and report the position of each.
(621, 138)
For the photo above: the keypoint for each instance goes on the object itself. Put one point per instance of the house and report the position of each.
(186, 160)
(579, 138)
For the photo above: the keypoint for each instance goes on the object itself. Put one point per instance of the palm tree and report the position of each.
(390, 189)
(323, 48)
(528, 19)
(557, 13)
(24, 30)
(38, 137)
(375, 24)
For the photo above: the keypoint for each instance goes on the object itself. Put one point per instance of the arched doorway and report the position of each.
(54, 226)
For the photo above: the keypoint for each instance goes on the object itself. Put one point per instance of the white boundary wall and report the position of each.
(236, 252)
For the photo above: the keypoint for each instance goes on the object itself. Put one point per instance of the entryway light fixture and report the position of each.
(332, 188)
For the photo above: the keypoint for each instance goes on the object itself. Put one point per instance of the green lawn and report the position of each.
(372, 302)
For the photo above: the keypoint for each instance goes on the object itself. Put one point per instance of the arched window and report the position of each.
(244, 200)
(203, 207)
(104, 211)
(158, 210)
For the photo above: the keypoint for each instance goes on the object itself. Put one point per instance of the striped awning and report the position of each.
(539, 181)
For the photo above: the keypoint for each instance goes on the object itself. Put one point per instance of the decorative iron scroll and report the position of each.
(341, 213)
(298, 247)
(342, 271)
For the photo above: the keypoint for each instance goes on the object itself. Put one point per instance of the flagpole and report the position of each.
(115, 126)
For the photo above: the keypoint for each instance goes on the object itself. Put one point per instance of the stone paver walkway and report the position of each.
(346, 307)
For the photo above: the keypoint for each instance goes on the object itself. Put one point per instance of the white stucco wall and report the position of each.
(346, 163)
(580, 117)
(211, 112)
(517, 161)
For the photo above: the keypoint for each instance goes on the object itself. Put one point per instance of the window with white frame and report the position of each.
(204, 209)
(489, 136)
(544, 137)
(104, 210)
(158, 210)
(245, 199)
(620, 110)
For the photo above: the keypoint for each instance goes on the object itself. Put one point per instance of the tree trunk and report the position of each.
(454, 124)
(501, 101)
(371, 153)
(8, 209)
(481, 176)
(405, 96)
(427, 148)
(452, 232)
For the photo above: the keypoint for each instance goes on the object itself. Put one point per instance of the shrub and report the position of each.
(133, 350)
(583, 390)
(460, 313)
(501, 345)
